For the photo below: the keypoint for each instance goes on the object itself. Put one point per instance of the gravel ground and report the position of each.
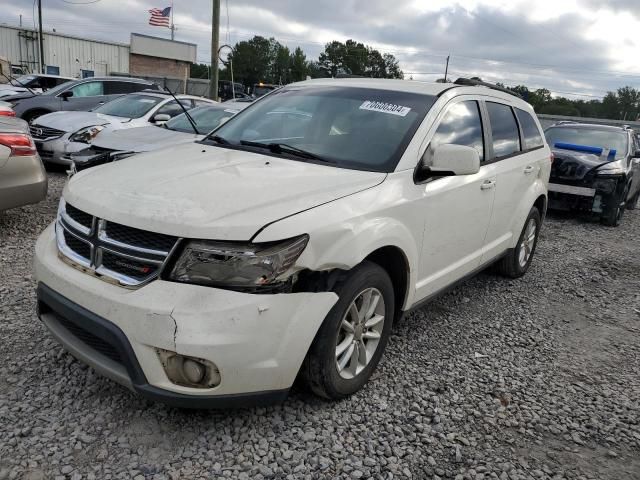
(534, 378)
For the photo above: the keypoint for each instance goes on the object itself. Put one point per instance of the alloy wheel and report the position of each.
(528, 242)
(360, 332)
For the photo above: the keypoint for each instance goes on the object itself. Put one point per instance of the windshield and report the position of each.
(205, 118)
(22, 80)
(590, 137)
(357, 128)
(129, 106)
(60, 88)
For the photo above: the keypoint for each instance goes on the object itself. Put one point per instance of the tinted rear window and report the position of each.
(506, 138)
(531, 135)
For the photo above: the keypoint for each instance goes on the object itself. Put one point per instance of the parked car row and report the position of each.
(240, 246)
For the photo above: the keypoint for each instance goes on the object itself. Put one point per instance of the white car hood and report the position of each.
(74, 121)
(142, 139)
(199, 191)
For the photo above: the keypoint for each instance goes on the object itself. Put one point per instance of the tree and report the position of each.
(299, 65)
(253, 60)
(355, 58)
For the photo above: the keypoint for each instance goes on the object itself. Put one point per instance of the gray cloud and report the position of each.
(552, 53)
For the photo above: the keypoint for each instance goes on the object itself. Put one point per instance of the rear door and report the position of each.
(516, 150)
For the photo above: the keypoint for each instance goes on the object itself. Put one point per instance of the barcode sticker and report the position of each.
(383, 107)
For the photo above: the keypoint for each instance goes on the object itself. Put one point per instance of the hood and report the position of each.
(142, 139)
(74, 121)
(200, 191)
(12, 96)
(7, 89)
(570, 165)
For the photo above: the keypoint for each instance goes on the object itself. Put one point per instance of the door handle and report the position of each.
(528, 169)
(488, 184)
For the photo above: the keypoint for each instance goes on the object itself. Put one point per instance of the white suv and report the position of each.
(291, 238)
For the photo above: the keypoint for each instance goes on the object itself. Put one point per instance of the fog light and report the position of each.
(189, 371)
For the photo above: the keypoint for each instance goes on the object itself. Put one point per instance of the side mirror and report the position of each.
(449, 160)
(161, 118)
(66, 95)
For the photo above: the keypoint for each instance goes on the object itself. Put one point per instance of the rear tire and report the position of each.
(517, 261)
(613, 216)
(343, 357)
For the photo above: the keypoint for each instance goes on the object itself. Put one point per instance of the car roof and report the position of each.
(164, 94)
(46, 75)
(126, 79)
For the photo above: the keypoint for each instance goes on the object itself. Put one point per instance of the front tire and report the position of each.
(613, 216)
(353, 336)
(518, 260)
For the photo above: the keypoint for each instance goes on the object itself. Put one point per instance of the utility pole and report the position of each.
(215, 40)
(40, 36)
(173, 27)
(446, 69)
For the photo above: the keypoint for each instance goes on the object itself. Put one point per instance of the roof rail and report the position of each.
(470, 82)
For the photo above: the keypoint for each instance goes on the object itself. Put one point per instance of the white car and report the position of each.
(59, 134)
(113, 145)
(289, 240)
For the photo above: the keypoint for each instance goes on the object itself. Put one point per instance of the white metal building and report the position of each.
(65, 55)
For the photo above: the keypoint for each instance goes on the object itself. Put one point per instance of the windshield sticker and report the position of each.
(385, 108)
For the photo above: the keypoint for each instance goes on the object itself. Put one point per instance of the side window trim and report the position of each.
(522, 138)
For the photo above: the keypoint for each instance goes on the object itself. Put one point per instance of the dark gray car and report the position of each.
(79, 95)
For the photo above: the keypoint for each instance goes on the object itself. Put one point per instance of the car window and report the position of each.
(138, 87)
(506, 138)
(530, 134)
(121, 87)
(49, 82)
(172, 108)
(129, 106)
(201, 103)
(461, 125)
(606, 138)
(206, 119)
(360, 128)
(88, 89)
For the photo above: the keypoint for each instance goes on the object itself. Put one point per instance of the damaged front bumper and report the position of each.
(596, 195)
(257, 342)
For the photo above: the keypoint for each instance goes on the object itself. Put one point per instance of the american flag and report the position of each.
(160, 18)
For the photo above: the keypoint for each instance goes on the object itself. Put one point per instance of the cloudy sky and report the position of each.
(575, 48)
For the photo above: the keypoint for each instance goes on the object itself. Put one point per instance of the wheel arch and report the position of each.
(394, 261)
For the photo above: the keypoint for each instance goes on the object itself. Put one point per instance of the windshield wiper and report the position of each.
(191, 121)
(218, 139)
(288, 149)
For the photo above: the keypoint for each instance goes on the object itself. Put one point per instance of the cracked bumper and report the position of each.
(258, 342)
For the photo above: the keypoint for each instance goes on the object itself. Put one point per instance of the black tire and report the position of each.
(633, 202)
(320, 369)
(510, 265)
(613, 216)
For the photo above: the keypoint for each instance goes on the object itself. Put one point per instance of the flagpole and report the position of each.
(173, 28)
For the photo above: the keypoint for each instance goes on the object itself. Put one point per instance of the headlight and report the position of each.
(87, 134)
(235, 265)
(605, 185)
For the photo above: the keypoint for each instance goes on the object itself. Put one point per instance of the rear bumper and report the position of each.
(23, 181)
(103, 346)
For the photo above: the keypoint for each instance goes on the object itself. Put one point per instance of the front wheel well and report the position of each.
(395, 263)
(541, 205)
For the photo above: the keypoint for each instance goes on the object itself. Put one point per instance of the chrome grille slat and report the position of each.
(129, 264)
(44, 133)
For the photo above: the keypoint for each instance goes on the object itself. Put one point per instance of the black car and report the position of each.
(596, 169)
(79, 95)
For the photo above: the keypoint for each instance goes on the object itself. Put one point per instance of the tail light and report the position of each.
(7, 113)
(21, 144)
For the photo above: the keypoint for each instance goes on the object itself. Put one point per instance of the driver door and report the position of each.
(85, 96)
(457, 209)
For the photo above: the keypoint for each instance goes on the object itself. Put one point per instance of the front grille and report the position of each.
(80, 247)
(122, 254)
(79, 216)
(89, 339)
(44, 133)
(139, 238)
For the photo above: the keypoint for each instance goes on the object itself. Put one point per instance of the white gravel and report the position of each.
(534, 378)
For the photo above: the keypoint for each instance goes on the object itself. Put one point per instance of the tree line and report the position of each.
(623, 104)
(266, 60)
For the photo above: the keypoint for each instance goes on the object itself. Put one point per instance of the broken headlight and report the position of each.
(86, 134)
(605, 185)
(236, 265)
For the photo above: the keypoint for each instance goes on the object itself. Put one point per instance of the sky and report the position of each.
(575, 48)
